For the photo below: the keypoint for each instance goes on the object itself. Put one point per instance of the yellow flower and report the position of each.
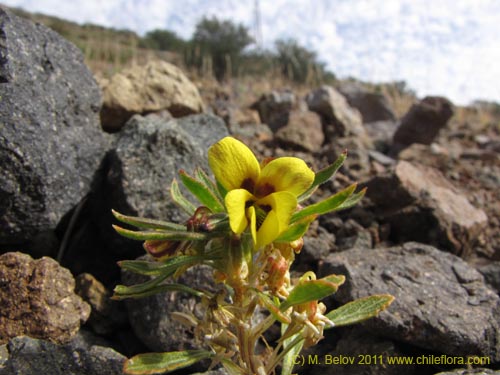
(262, 199)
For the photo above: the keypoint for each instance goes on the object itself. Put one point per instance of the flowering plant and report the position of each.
(248, 228)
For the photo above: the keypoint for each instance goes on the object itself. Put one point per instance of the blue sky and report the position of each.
(440, 47)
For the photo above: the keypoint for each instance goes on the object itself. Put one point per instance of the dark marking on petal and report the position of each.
(248, 184)
(265, 190)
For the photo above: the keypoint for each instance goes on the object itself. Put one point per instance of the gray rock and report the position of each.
(51, 142)
(135, 180)
(471, 371)
(421, 205)
(369, 354)
(274, 108)
(423, 121)
(148, 155)
(151, 318)
(38, 299)
(372, 105)
(491, 273)
(339, 119)
(304, 131)
(441, 303)
(28, 356)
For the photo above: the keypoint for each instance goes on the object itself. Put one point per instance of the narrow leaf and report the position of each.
(324, 175)
(291, 354)
(296, 230)
(201, 192)
(211, 185)
(352, 200)
(161, 363)
(144, 267)
(141, 222)
(161, 235)
(180, 200)
(325, 206)
(360, 309)
(312, 290)
(231, 367)
(122, 291)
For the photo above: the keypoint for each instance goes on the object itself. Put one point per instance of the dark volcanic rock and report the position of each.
(51, 142)
(151, 317)
(441, 302)
(423, 121)
(135, 180)
(28, 356)
(422, 205)
(148, 155)
(372, 105)
(37, 299)
(304, 131)
(274, 108)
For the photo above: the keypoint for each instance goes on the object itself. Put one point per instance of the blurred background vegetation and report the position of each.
(221, 53)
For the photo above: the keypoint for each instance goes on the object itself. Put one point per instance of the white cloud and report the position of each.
(447, 47)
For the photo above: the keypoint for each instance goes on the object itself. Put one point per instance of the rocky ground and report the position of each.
(427, 231)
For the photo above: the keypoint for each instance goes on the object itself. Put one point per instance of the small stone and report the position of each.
(38, 299)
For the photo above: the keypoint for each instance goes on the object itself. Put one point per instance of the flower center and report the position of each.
(248, 184)
(264, 190)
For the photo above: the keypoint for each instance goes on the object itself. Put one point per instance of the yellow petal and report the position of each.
(233, 164)
(268, 231)
(235, 203)
(251, 215)
(285, 174)
(282, 205)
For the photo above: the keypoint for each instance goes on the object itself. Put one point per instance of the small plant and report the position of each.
(248, 228)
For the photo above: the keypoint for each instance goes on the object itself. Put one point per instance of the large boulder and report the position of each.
(274, 108)
(51, 141)
(420, 204)
(303, 131)
(338, 117)
(372, 105)
(153, 87)
(29, 356)
(151, 317)
(423, 121)
(38, 299)
(441, 303)
(135, 180)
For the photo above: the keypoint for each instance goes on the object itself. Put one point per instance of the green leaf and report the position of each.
(180, 200)
(360, 309)
(161, 363)
(211, 185)
(231, 367)
(328, 205)
(296, 230)
(352, 200)
(312, 290)
(122, 291)
(141, 222)
(201, 192)
(291, 354)
(161, 235)
(324, 175)
(144, 267)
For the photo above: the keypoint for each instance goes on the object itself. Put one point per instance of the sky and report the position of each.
(439, 47)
